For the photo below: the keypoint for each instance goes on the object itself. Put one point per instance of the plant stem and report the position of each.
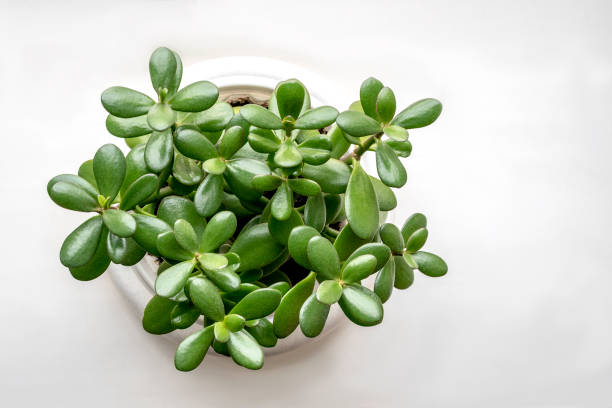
(361, 149)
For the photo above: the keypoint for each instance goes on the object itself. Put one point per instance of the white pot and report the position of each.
(232, 75)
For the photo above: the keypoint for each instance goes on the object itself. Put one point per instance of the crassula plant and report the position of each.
(261, 218)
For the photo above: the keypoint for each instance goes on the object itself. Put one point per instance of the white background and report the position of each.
(514, 177)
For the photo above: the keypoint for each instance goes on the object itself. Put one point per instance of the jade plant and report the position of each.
(260, 218)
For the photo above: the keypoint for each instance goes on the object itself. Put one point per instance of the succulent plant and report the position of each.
(251, 211)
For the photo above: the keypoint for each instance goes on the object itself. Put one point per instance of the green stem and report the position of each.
(361, 149)
(331, 231)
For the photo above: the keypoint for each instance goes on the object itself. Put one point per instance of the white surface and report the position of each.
(514, 178)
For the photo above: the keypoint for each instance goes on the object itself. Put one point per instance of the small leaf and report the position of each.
(159, 151)
(125, 102)
(245, 351)
(162, 68)
(191, 352)
(174, 208)
(317, 118)
(128, 128)
(323, 257)
(360, 204)
(214, 119)
(186, 171)
(416, 240)
(413, 223)
(391, 236)
(313, 316)
(258, 304)
(156, 318)
(161, 117)
(222, 333)
(289, 97)
(256, 247)
(219, 229)
(185, 235)
(233, 139)
(383, 285)
(184, 315)
(72, 197)
(329, 292)
(266, 182)
(410, 260)
(332, 176)
(404, 276)
(195, 97)
(109, 170)
(298, 244)
(205, 296)
(314, 212)
(234, 322)
(304, 186)
(141, 189)
(315, 151)
(173, 279)
(97, 264)
(288, 155)
(396, 133)
(280, 230)
(76, 181)
(80, 246)
(402, 149)
(211, 261)
(263, 332)
(225, 279)
(359, 268)
(191, 143)
(368, 94)
(357, 124)
(390, 169)
(430, 264)
(384, 195)
(385, 105)
(263, 140)
(119, 222)
(209, 195)
(124, 251)
(169, 248)
(214, 166)
(379, 250)
(147, 230)
(240, 173)
(419, 114)
(260, 117)
(361, 305)
(281, 203)
(286, 317)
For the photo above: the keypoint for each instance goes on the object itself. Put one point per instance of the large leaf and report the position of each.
(191, 143)
(260, 117)
(289, 97)
(258, 304)
(191, 352)
(109, 170)
(368, 94)
(385, 105)
(209, 195)
(214, 119)
(317, 118)
(245, 351)
(286, 317)
(156, 318)
(360, 204)
(383, 285)
(96, 265)
(163, 69)
(332, 176)
(195, 97)
(219, 229)
(240, 173)
(263, 332)
(281, 204)
(174, 208)
(314, 212)
(313, 316)
(361, 305)
(173, 279)
(147, 230)
(280, 230)
(256, 247)
(390, 169)
(159, 151)
(430, 264)
(298, 244)
(359, 268)
(413, 223)
(119, 222)
(124, 251)
(161, 117)
(80, 246)
(125, 102)
(127, 128)
(419, 114)
(357, 124)
(323, 257)
(205, 296)
(71, 196)
(141, 189)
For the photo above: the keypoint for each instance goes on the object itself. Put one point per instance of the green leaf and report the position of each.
(184, 315)
(156, 318)
(289, 97)
(323, 257)
(186, 171)
(214, 166)
(384, 195)
(280, 230)
(214, 119)
(315, 150)
(263, 140)
(240, 173)
(245, 351)
(256, 247)
(234, 322)
(346, 242)
(147, 230)
(161, 117)
(178, 74)
(361, 305)
(286, 317)
(251, 276)
(263, 332)
(332, 176)
(141, 189)
(390, 169)
(109, 170)
(125, 102)
(410, 260)
(298, 244)
(222, 333)
(339, 143)
(266, 182)
(212, 262)
(329, 292)
(174, 208)
(313, 316)
(159, 151)
(71, 196)
(169, 248)
(368, 94)
(413, 223)
(402, 149)
(133, 142)
(233, 139)
(220, 228)
(383, 285)
(191, 352)
(226, 278)
(205, 296)
(417, 240)
(314, 212)
(135, 167)
(333, 207)
(124, 251)
(317, 118)
(282, 202)
(77, 181)
(185, 235)
(209, 195)
(282, 287)
(391, 236)
(173, 279)
(360, 204)
(288, 155)
(404, 276)
(430, 264)
(258, 304)
(96, 265)
(80, 246)
(304, 186)
(119, 222)
(163, 69)
(191, 143)
(127, 128)
(398, 134)
(419, 114)
(357, 124)
(385, 105)
(359, 268)
(195, 97)
(380, 251)
(260, 117)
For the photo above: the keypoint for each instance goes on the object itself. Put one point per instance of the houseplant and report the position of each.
(248, 208)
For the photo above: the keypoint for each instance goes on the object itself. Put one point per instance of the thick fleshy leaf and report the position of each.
(258, 304)
(226, 278)
(390, 169)
(266, 182)
(185, 235)
(263, 332)
(361, 305)
(289, 97)
(263, 140)
(260, 117)
(135, 166)
(191, 143)
(173, 279)
(333, 207)
(212, 262)
(417, 240)
(419, 114)
(186, 171)
(163, 68)
(379, 250)
(339, 143)
(124, 251)
(240, 173)
(191, 352)
(413, 223)
(360, 204)
(383, 285)
(317, 118)
(125, 102)
(396, 133)
(315, 150)
(256, 248)
(168, 247)
(205, 296)
(288, 155)
(313, 316)
(96, 265)
(80, 246)
(156, 318)
(219, 229)
(384, 195)
(184, 315)
(298, 244)
(71, 196)
(359, 268)
(195, 97)
(161, 117)
(304, 186)
(402, 149)
(234, 322)
(281, 204)
(332, 176)
(214, 119)
(385, 105)
(391, 236)
(141, 189)
(282, 287)
(357, 124)
(128, 128)
(329, 292)
(346, 242)
(368, 94)
(119, 222)
(147, 230)
(159, 151)
(286, 317)
(251, 276)
(133, 142)
(280, 230)
(323, 257)
(77, 181)
(245, 350)
(404, 275)
(178, 74)
(174, 208)
(233, 139)
(214, 166)
(410, 260)
(209, 195)
(430, 264)
(314, 212)
(109, 170)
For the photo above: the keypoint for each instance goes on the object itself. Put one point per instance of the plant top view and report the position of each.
(261, 217)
